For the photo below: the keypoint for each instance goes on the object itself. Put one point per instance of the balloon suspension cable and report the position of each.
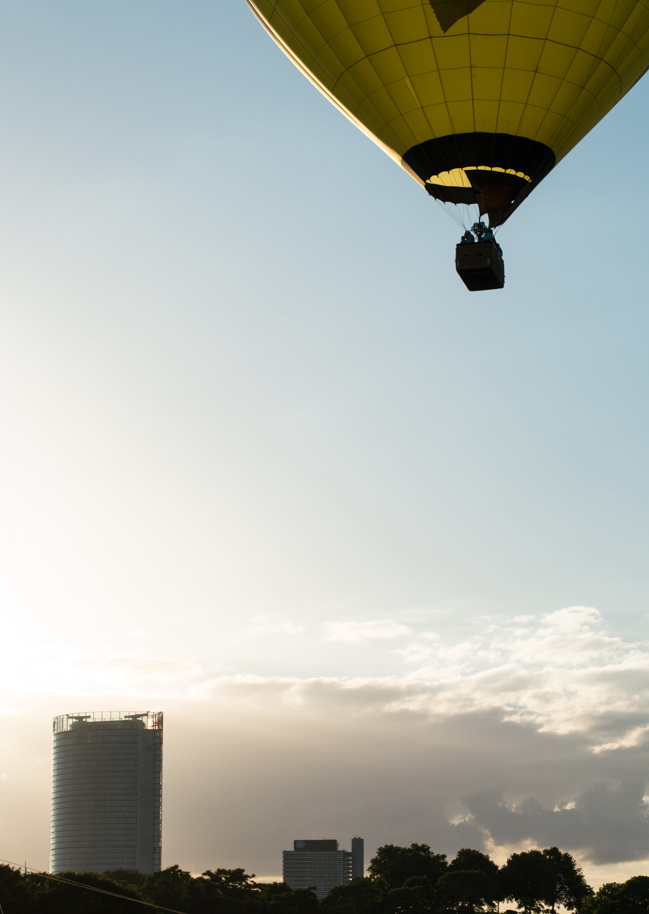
(463, 214)
(451, 212)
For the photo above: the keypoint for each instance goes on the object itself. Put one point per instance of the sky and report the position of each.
(375, 545)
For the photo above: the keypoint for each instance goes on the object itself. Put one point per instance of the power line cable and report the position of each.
(90, 888)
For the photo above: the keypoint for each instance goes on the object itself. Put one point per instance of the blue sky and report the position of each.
(267, 466)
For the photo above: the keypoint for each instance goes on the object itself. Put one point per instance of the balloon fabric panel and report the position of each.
(476, 99)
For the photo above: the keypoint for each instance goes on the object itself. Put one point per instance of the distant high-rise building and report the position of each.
(107, 792)
(358, 858)
(321, 866)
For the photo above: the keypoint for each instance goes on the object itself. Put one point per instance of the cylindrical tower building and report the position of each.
(107, 792)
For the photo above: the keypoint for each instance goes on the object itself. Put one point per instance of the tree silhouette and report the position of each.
(396, 864)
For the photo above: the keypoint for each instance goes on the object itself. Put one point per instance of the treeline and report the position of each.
(400, 880)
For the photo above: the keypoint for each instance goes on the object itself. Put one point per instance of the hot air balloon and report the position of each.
(476, 99)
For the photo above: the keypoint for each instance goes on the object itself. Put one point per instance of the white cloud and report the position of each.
(634, 737)
(274, 625)
(382, 629)
(559, 673)
(562, 672)
(94, 673)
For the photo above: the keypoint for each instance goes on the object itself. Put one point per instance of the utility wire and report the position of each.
(90, 888)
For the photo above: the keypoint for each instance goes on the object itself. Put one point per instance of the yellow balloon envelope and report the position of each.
(476, 99)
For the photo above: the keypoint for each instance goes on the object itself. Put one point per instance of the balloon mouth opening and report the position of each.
(507, 168)
(461, 177)
(495, 192)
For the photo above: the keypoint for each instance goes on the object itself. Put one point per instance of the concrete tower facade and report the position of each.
(320, 865)
(107, 792)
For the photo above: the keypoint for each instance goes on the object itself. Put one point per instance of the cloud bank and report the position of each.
(532, 731)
